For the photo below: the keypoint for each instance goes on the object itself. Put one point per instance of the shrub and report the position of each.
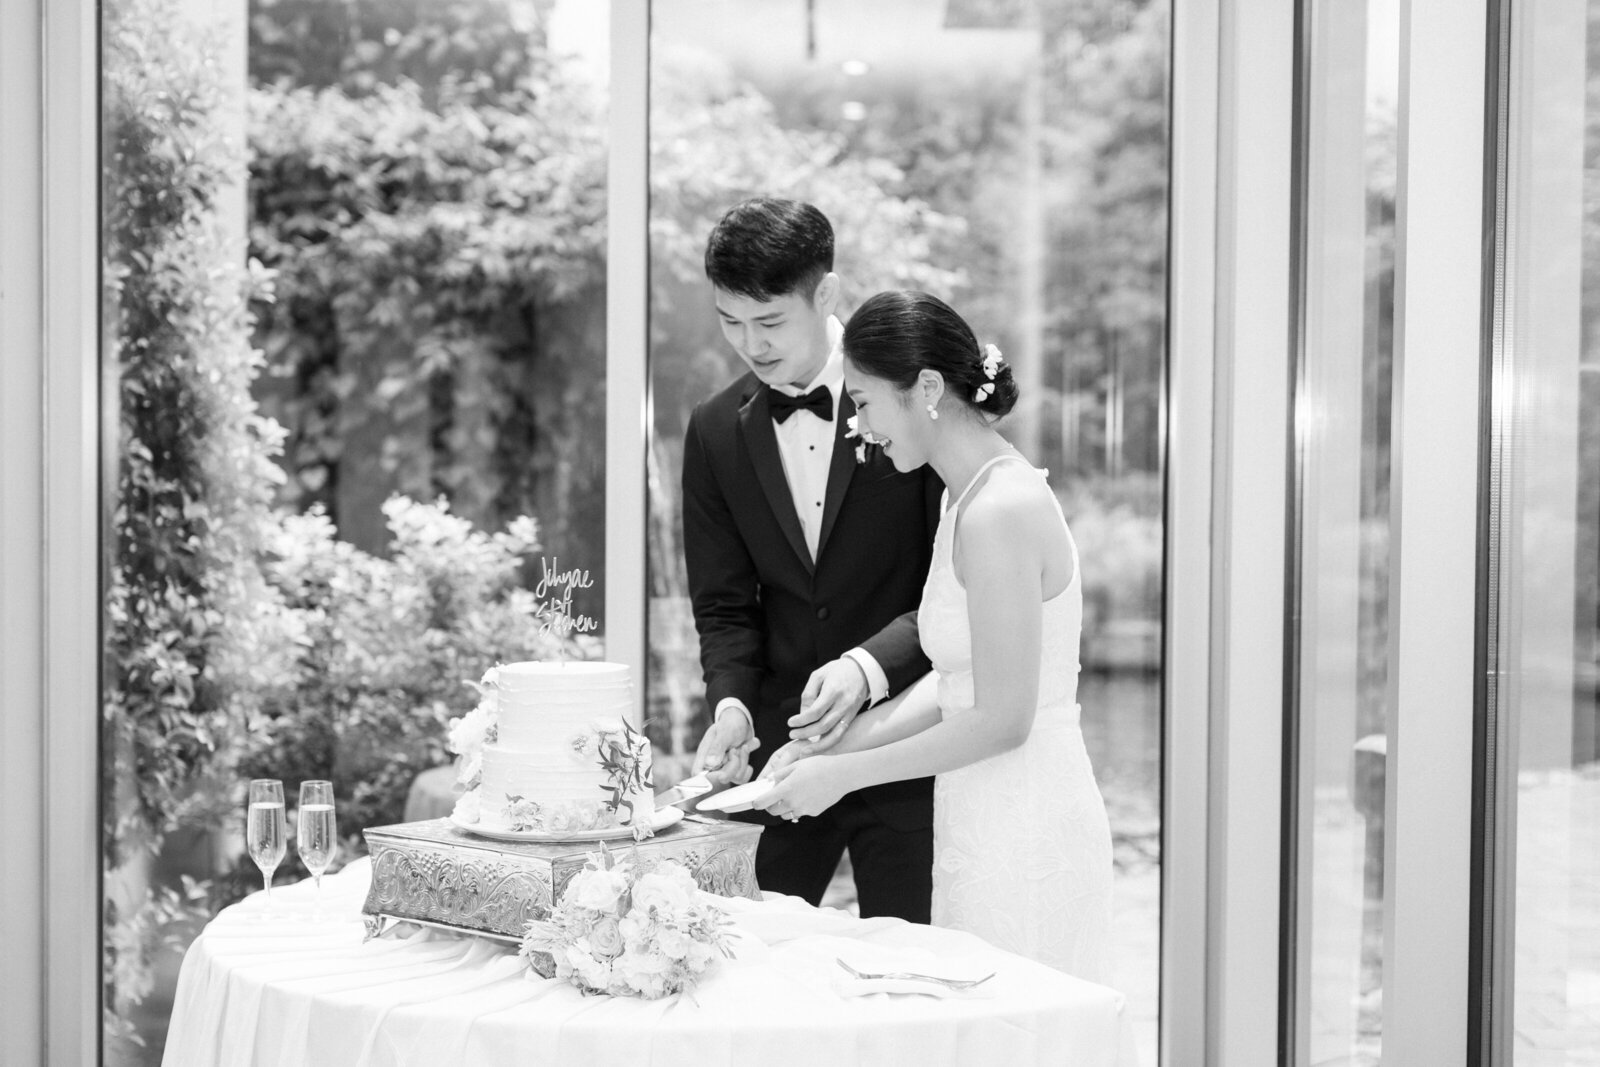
(387, 646)
(189, 630)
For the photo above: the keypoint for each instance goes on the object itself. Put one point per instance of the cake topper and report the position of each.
(554, 592)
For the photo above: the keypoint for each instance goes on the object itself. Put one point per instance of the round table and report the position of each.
(294, 983)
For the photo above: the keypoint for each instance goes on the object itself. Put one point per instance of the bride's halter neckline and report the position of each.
(1009, 453)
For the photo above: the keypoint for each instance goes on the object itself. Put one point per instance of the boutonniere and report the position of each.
(864, 436)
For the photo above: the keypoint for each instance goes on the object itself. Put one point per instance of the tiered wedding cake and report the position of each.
(549, 750)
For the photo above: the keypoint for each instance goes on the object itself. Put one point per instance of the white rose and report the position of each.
(644, 972)
(635, 928)
(699, 955)
(606, 938)
(672, 942)
(660, 892)
(598, 890)
(591, 971)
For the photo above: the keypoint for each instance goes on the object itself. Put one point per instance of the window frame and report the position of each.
(50, 484)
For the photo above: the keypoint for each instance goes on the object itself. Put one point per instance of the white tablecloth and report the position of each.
(290, 990)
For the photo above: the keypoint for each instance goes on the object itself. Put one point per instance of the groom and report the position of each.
(802, 551)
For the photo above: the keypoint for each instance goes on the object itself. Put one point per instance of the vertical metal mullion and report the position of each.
(1493, 802)
(1434, 504)
(1250, 479)
(627, 341)
(1294, 922)
(1186, 564)
(22, 833)
(71, 553)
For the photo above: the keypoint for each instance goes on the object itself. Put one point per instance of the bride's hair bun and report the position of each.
(895, 335)
(998, 395)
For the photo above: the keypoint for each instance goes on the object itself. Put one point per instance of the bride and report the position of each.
(1022, 847)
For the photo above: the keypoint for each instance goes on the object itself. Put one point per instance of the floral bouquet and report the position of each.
(627, 932)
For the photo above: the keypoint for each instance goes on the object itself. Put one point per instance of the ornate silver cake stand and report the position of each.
(435, 874)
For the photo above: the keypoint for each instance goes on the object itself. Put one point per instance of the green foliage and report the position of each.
(161, 921)
(194, 463)
(359, 45)
(185, 637)
(1105, 98)
(440, 295)
(240, 641)
(387, 647)
(1116, 523)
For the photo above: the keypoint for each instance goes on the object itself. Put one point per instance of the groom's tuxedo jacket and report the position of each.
(767, 615)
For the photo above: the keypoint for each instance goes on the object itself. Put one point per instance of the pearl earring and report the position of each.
(933, 413)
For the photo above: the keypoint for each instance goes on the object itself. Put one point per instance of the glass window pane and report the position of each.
(1547, 522)
(1342, 427)
(321, 462)
(1011, 158)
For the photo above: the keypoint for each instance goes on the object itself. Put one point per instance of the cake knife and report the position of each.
(685, 791)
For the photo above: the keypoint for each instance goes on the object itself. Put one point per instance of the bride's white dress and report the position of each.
(1021, 846)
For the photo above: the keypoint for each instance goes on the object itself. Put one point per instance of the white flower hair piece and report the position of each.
(991, 366)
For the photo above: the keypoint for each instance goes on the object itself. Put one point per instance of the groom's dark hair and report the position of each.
(765, 248)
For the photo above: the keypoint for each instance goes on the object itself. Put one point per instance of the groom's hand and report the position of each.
(724, 752)
(833, 695)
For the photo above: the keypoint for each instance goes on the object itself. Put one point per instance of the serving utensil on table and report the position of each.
(959, 984)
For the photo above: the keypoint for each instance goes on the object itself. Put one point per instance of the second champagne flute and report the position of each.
(318, 840)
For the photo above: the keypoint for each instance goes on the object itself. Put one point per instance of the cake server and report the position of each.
(684, 791)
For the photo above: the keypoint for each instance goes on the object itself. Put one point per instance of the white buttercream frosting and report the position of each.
(553, 718)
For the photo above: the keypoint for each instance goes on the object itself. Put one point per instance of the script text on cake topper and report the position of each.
(554, 591)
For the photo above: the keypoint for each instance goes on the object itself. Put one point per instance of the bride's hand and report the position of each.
(805, 787)
(799, 749)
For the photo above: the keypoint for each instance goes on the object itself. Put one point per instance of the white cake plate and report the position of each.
(660, 819)
(739, 797)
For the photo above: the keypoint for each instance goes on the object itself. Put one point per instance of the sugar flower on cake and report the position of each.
(523, 814)
(468, 809)
(584, 747)
(471, 732)
(621, 931)
(572, 818)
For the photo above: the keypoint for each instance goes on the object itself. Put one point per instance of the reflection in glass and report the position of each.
(1342, 437)
(1011, 158)
(1545, 676)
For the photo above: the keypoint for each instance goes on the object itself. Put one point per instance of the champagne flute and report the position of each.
(265, 830)
(317, 840)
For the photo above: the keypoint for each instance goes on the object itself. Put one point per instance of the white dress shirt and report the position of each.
(805, 444)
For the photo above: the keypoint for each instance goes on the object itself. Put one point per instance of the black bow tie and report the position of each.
(819, 402)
